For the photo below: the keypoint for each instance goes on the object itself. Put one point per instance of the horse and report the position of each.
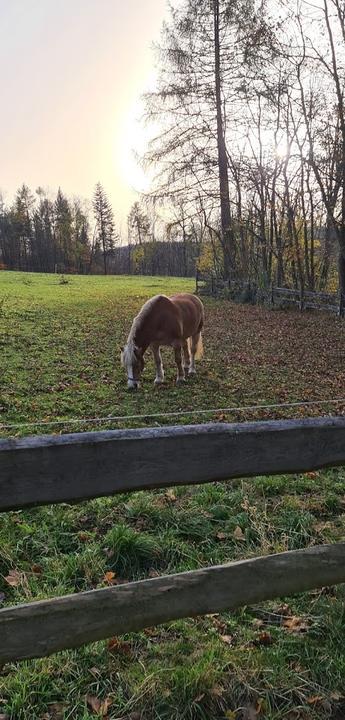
(174, 321)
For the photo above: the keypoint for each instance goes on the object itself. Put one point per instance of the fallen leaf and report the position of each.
(257, 623)
(238, 533)
(283, 609)
(221, 417)
(109, 577)
(221, 536)
(170, 495)
(94, 703)
(264, 638)
(36, 569)
(295, 624)
(14, 578)
(261, 706)
(153, 573)
(84, 536)
(105, 706)
(119, 646)
(227, 639)
(314, 699)
(336, 696)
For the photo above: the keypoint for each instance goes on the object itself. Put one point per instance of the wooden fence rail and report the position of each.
(52, 469)
(44, 627)
(304, 299)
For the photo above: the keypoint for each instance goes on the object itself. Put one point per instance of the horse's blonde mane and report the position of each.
(142, 314)
(128, 352)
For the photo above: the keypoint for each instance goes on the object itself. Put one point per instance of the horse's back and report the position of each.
(191, 311)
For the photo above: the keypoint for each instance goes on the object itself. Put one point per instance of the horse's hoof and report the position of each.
(192, 371)
(158, 381)
(179, 381)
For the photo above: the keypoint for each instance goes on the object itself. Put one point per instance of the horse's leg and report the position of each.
(159, 365)
(178, 360)
(193, 349)
(186, 356)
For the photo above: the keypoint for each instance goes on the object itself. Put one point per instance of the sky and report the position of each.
(73, 72)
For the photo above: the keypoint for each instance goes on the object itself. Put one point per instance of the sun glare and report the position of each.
(131, 141)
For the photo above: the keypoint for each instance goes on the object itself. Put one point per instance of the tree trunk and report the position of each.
(227, 235)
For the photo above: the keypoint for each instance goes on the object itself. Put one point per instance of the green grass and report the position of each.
(59, 358)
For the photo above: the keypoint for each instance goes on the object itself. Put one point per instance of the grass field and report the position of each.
(59, 359)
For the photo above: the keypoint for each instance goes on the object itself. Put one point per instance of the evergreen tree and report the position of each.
(105, 231)
(63, 231)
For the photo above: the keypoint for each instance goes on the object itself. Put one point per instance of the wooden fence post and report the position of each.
(301, 299)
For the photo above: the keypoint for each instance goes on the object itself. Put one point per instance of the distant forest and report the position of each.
(39, 234)
(248, 168)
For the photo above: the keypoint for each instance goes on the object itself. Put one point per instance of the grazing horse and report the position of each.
(176, 321)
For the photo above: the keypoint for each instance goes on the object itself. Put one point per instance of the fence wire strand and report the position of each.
(173, 414)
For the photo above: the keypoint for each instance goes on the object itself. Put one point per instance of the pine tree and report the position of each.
(103, 214)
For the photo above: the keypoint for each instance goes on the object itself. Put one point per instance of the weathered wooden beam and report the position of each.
(53, 469)
(41, 628)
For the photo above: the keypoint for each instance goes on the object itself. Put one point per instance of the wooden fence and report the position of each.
(273, 295)
(54, 469)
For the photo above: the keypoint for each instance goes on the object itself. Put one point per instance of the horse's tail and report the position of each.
(199, 348)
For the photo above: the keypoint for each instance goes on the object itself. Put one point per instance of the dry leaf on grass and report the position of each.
(261, 706)
(94, 703)
(14, 578)
(99, 707)
(263, 638)
(257, 623)
(170, 496)
(295, 624)
(315, 699)
(337, 696)
(227, 639)
(119, 646)
(153, 573)
(84, 536)
(109, 578)
(238, 533)
(221, 536)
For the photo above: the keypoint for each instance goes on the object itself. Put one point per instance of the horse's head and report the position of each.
(133, 362)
